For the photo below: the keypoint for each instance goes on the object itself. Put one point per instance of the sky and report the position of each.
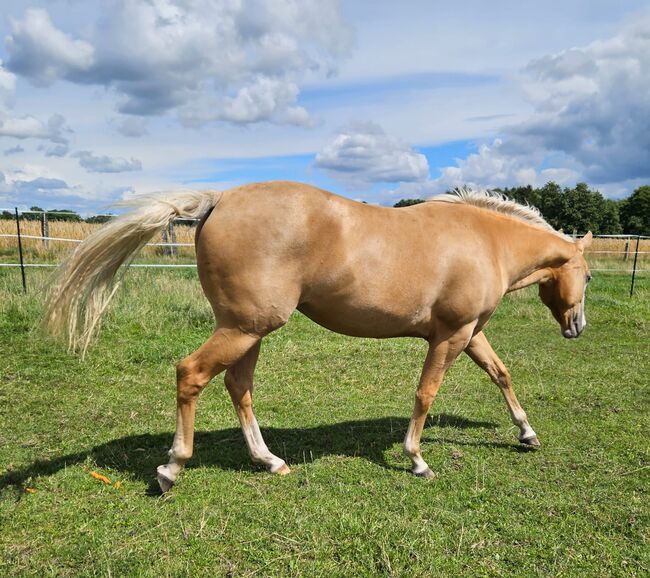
(377, 100)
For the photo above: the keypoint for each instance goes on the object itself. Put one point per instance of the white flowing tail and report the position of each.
(88, 279)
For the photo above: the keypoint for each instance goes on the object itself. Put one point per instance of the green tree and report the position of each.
(610, 221)
(408, 202)
(64, 215)
(524, 195)
(36, 215)
(552, 204)
(577, 208)
(635, 212)
(99, 219)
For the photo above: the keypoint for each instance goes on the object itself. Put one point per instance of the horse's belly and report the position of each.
(368, 321)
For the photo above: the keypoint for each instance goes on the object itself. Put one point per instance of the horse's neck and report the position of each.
(531, 250)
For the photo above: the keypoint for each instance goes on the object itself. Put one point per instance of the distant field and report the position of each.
(336, 409)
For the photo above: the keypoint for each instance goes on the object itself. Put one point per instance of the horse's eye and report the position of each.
(589, 277)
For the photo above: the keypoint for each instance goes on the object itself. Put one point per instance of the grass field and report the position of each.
(336, 409)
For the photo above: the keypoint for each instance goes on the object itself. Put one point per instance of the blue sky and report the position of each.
(104, 99)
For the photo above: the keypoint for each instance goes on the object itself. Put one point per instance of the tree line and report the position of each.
(36, 214)
(581, 208)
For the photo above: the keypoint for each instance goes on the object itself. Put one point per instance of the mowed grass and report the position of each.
(336, 408)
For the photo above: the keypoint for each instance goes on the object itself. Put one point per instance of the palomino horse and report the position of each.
(436, 271)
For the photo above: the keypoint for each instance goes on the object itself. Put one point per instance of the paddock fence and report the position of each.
(37, 239)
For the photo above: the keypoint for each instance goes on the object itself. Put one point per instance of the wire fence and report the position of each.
(38, 241)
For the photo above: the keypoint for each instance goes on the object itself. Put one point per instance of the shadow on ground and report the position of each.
(138, 455)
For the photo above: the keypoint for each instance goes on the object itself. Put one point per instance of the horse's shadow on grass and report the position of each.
(138, 455)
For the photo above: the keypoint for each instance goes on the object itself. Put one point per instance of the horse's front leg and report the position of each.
(484, 356)
(441, 354)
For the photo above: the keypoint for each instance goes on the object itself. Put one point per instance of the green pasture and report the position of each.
(336, 409)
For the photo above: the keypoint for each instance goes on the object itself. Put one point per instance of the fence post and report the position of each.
(20, 252)
(45, 229)
(173, 250)
(636, 254)
(627, 250)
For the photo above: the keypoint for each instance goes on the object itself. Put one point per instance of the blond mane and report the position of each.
(497, 203)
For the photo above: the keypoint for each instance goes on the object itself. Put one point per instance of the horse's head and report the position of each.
(562, 290)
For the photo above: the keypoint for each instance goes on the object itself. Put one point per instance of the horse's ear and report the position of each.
(561, 230)
(585, 242)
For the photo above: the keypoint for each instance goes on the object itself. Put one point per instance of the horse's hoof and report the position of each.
(428, 473)
(163, 481)
(531, 442)
(283, 470)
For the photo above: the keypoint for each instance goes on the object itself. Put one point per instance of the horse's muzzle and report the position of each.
(577, 322)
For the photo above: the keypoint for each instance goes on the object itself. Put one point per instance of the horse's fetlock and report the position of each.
(410, 448)
(180, 456)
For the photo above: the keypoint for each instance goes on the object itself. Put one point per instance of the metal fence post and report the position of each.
(173, 250)
(45, 229)
(169, 236)
(636, 254)
(20, 252)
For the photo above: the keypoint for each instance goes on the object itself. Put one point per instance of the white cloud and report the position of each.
(23, 127)
(14, 150)
(491, 167)
(363, 154)
(591, 119)
(43, 53)
(7, 87)
(266, 98)
(56, 150)
(27, 126)
(104, 164)
(206, 59)
(30, 184)
(132, 126)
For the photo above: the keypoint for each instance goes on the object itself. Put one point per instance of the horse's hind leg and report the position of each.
(484, 356)
(224, 348)
(239, 382)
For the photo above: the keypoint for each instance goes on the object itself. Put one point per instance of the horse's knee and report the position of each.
(499, 374)
(504, 379)
(190, 380)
